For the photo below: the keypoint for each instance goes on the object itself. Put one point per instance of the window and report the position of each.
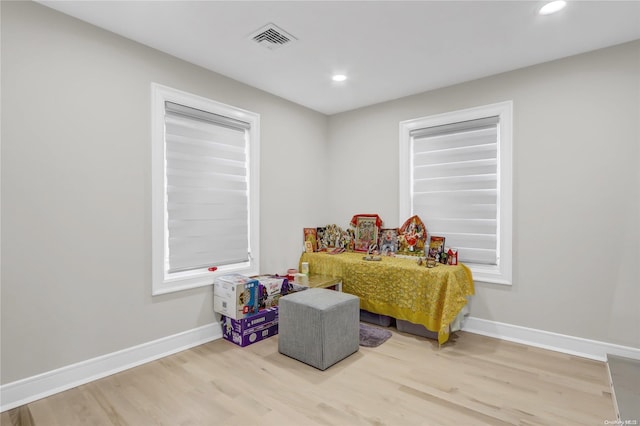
(205, 190)
(456, 174)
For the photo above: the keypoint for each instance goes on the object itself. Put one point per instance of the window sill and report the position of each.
(489, 274)
(193, 279)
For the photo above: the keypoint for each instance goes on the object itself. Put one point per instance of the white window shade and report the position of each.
(456, 174)
(207, 189)
(455, 185)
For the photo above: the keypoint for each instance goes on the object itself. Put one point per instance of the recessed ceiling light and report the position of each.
(552, 7)
(339, 77)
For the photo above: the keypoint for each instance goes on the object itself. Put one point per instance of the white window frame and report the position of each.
(162, 280)
(501, 273)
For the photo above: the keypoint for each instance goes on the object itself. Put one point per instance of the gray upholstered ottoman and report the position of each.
(318, 326)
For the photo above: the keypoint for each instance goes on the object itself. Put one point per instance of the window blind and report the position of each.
(207, 189)
(455, 185)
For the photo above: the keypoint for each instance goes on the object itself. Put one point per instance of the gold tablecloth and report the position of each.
(399, 287)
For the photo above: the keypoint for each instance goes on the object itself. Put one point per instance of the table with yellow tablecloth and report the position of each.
(399, 287)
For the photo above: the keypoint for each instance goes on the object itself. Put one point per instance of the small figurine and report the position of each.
(372, 253)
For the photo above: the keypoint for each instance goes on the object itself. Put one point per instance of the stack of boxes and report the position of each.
(248, 306)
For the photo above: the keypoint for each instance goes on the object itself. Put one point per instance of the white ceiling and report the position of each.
(388, 49)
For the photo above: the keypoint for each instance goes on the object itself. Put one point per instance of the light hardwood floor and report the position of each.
(472, 380)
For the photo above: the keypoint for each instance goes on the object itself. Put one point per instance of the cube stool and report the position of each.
(318, 326)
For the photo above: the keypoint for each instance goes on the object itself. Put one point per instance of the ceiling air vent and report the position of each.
(272, 37)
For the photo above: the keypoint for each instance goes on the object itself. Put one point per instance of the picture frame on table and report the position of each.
(436, 247)
(366, 233)
(308, 247)
(320, 235)
(310, 237)
(388, 241)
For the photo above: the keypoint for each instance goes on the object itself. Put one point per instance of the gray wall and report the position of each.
(576, 188)
(76, 226)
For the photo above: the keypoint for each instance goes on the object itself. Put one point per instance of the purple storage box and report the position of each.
(245, 331)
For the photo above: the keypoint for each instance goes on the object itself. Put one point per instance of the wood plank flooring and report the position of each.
(472, 380)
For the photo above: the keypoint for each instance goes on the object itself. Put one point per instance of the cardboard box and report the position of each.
(246, 331)
(270, 301)
(271, 289)
(272, 285)
(236, 296)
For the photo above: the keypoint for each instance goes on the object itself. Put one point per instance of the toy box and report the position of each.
(246, 331)
(236, 296)
(272, 284)
(271, 288)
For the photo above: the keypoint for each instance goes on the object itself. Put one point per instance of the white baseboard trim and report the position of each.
(42, 385)
(578, 346)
